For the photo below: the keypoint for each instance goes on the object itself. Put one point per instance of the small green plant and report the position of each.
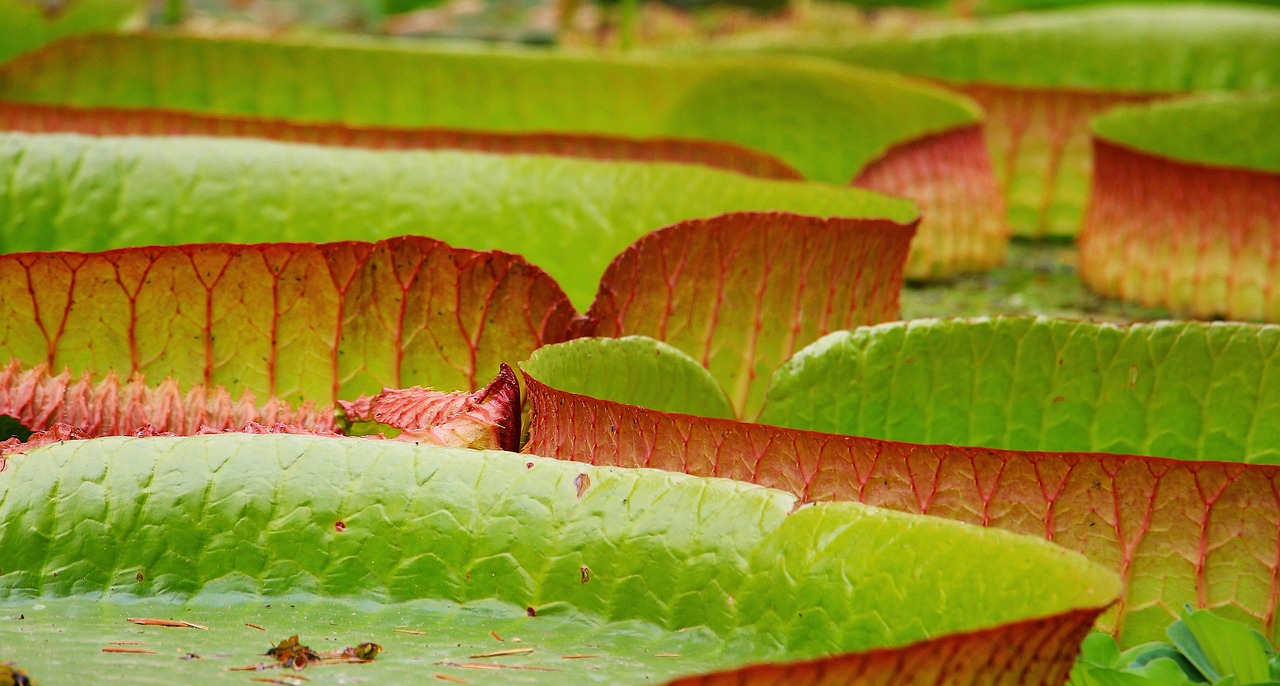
(1203, 648)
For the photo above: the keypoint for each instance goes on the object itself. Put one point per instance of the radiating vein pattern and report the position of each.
(298, 322)
(741, 294)
(949, 175)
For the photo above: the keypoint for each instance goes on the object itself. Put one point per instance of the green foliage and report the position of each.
(1203, 648)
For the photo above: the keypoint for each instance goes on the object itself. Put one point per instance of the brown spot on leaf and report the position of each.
(140, 577)
(531, 612)
(582, 482)
(339, 526)
(585, 573)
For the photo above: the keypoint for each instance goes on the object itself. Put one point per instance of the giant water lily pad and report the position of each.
(357, 538)
(74, 192)
(1184, 213)
(1040, 77)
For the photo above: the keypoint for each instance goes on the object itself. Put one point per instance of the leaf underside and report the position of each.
(302, 323)
(1198, 240)
(228, 524)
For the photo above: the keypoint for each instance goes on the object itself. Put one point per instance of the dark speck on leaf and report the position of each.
(531, 612)
(339, 526)
(140, 577)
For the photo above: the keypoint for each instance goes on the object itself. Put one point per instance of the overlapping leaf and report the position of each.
(304, 323)
(829, 123)
(1178, 531)
(247, 521)
(825, 121)
(1040, 77)
(1188, 220)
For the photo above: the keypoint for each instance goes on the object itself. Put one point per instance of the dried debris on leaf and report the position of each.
(291, 653)
(171, 623)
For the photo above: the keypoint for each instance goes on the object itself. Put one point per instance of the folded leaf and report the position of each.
(1178, 532)
(829, 123)
(1184, 214)
(384, 534)
(293, 322)
(108, 121)
(742, 296)
(570, 217)
(1041, 76)
(24, 26)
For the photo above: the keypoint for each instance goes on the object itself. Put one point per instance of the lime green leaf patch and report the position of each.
(1178, 531)
(633, 369)
(25, 26)
(1219, 129)
(260, 520)
(1184, 213)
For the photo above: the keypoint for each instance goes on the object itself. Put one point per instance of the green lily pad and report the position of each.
(568, 216)
(1178, 531)
(826, 121)
(360, 537)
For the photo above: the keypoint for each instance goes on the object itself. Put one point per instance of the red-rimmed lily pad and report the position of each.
(1186, 207)
(1178, 530)
(687, 575)
(1042, 76)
